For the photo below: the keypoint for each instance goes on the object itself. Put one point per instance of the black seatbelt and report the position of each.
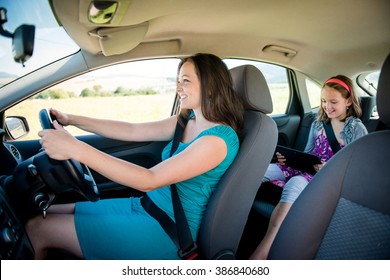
(180, 232)
(187, 245)
(167, 224)
(334, 144)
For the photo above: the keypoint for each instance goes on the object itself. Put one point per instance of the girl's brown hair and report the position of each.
(219, 102)
(345, 86)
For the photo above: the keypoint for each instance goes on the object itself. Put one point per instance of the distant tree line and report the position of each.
(96, 91)
(55, 94)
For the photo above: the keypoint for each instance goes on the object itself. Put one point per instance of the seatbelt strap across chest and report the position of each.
(179, 232)
(334, 144)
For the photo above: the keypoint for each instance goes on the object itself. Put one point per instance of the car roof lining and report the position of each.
(216, 26)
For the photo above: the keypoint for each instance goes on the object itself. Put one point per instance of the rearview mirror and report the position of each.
(23, 43)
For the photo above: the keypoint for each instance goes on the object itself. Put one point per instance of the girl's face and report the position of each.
(188, 87)
(333, 103)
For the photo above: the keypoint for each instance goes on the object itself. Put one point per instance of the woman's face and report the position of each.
(333, 103)
(188, 87)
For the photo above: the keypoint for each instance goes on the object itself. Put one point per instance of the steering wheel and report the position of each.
(76, 176)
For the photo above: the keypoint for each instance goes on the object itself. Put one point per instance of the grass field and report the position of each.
(138, 108)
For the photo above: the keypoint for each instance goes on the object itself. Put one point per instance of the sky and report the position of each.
(51, 41)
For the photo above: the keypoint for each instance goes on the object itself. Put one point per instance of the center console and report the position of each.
(14, 241)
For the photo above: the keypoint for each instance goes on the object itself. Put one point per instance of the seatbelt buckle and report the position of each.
(189, 254)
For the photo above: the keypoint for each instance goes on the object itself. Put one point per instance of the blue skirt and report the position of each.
(120, 229)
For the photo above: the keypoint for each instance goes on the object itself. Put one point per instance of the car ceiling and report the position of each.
(321, 38)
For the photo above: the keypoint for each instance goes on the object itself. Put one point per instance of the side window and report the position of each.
(277, 80)
(314, 92)
(134, 91)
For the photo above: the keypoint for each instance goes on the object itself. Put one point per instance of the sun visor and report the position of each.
(119, 40)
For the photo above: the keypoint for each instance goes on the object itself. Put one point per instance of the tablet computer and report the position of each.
(298, 160)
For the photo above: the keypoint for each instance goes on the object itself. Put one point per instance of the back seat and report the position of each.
(268, 195)
(370, 116)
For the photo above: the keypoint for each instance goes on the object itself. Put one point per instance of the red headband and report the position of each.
(339, 82)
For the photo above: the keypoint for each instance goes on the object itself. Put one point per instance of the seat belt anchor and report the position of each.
(189, 254)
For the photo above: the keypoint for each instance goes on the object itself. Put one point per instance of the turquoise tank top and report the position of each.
(196, 192)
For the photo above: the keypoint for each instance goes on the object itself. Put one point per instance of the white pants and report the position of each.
(293, 187)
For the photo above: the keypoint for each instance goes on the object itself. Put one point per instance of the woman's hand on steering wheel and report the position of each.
(58, 143)
(61, 146)
(62, 118)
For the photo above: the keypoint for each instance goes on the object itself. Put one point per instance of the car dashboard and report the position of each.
(13, 238)
(14, 241)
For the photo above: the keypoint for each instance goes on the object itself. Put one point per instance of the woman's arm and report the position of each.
(125, 131)
(201, 156)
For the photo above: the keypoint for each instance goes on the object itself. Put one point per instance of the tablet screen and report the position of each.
(299, 160)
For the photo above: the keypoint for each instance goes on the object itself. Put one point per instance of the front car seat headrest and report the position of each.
(250, 84)
(383, 93)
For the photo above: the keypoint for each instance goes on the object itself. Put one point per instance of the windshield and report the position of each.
(51, 41)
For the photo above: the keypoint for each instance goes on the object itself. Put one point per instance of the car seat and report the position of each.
(344, 212)
(368, 105)
(228, 209)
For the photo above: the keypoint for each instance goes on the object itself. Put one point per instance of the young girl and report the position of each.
(121, 228)
(340, 107)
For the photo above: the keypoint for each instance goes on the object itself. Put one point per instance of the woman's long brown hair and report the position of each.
(219, 102)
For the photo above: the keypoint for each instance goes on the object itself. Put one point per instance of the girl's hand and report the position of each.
(62, 118)
(317, 167)
(58, 143)
(281, 158)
